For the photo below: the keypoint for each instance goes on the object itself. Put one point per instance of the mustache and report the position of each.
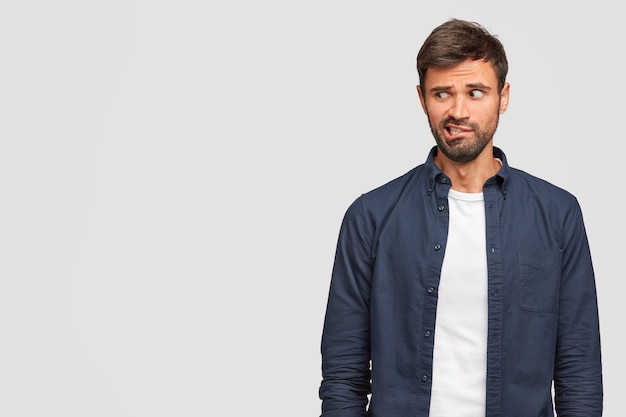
(457, 122)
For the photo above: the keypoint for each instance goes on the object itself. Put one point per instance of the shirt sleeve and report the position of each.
(345, 343)
(578, 369)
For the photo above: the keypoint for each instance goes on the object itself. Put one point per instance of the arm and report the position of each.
(346, 336)
(578, 369)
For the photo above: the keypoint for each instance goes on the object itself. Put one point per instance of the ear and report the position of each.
(504, 97)
(422, 102)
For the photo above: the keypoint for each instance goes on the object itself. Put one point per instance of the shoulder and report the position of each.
(382, 198)
(369, 212)
(531, 191)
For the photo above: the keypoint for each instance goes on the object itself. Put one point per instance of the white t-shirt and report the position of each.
(460, 353)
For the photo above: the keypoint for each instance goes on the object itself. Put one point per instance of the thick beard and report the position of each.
(463, 150)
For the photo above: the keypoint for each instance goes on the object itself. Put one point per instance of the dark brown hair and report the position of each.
(456, 41)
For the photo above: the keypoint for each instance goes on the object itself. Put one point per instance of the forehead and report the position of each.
(466, 72)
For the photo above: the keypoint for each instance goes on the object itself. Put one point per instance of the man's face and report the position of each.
(463, 107)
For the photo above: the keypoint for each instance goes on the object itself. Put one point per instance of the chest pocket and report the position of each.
(539, 280)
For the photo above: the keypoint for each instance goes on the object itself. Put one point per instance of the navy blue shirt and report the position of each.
(379, 328)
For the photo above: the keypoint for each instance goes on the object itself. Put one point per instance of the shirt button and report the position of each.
(427, 333)
(443, 180)
(430, 290)
(442, 207)
(437, 246)
(425, 378)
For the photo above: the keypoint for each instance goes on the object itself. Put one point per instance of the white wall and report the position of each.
(173, 176)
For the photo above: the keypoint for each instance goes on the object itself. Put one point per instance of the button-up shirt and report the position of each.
(379, 329)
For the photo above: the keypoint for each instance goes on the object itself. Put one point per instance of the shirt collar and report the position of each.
(434, 174)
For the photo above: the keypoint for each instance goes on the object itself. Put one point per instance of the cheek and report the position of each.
(435, 113)
(486, 114)
(433, 119)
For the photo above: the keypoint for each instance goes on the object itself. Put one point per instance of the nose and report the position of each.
(459, 108)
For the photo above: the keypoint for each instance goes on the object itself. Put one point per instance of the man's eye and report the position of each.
(441, 94)
(476, 94)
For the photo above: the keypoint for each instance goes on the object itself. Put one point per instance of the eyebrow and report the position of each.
(479, 85)
(439, 88)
